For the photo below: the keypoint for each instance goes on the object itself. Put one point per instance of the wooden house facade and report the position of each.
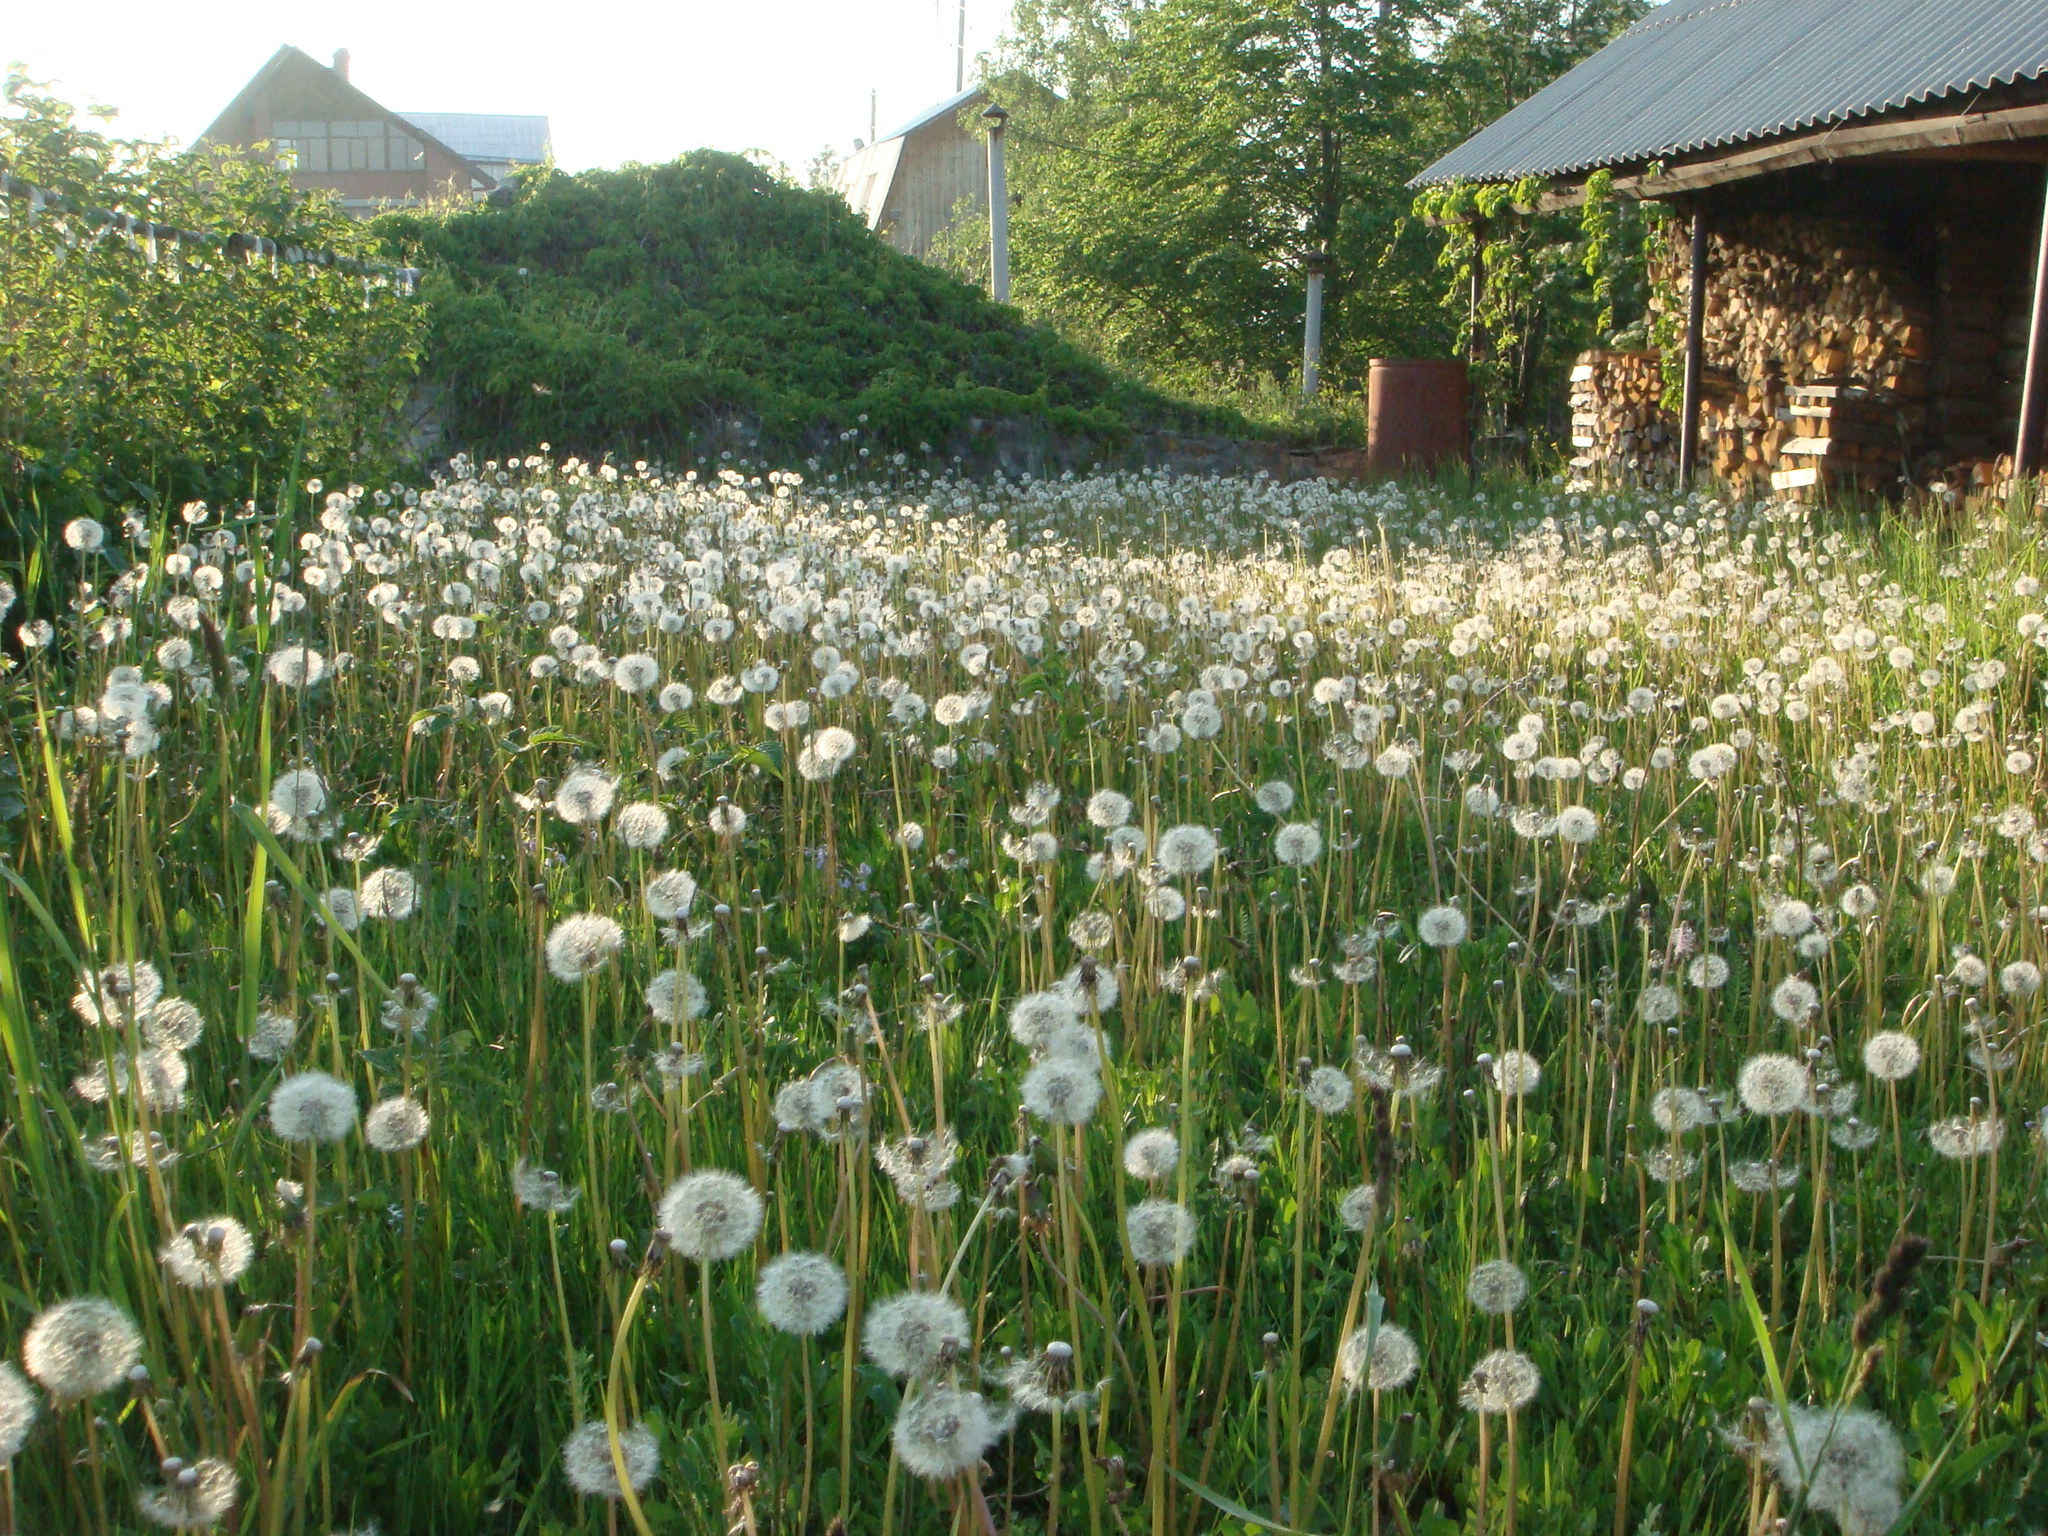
(333, 136)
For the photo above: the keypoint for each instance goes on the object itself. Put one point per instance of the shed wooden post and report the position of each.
(2026, 457)
(1695, 330)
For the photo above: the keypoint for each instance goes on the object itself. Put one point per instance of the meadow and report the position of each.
(569, 998)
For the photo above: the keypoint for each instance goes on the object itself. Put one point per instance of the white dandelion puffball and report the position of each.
(669, 895)
(585, 796)
(2020, 979)
(311, 1107)
(343, 907)
(675, 997)
(1846, 1461)
(1860, 902)
(908, 1335)
(205, 1255)
(801, 1294)
(1298, 844)
(1275, 797)
(1328, 1091)
(1516, 1073)
(1442, 927)
(1965, 1136)
(1355, 1207)
(1497, 1287)
(1795, 999)
(1186, 851)
(1772, 1085)
(1891, 1055)
(1500, 1383)
(1658, 1005)
(726, 820)
(1108, 810)
(587, 1459)
(295, 666)
(84, 535)
(1063, 1091)
(1678, 1110)
(387, 896)
(1576, 824)
(191, 1498)
(1037, 1016)
(1790, 919)
(642, 826)
(17, 1413)
(81, 1348)
(635, 674)
(1162, 1232)
(1708, 972)
(710, 1215)
(1152, 1155)
(943, 1432)
(299, 795)
(397, 1124)
(580, 946)
(1382, 1359)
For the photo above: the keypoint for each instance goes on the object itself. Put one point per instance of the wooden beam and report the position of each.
(1995, 131)
(1695, 341)
(2026, 456)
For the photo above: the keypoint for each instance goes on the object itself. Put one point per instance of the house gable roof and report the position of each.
(1697, 75)
(290, 61)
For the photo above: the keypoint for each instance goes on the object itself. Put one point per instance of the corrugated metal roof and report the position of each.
(1698, 74)
(487, 136)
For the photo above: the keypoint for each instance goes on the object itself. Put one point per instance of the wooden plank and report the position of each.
(1840, 142)
(1793, 479)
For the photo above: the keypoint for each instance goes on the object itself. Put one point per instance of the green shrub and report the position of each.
(127, 381)
(670, 309)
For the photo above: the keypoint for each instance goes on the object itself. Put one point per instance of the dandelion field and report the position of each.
(573, 1000)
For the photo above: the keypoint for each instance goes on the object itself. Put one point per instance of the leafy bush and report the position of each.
(665, 309)
(130, 375)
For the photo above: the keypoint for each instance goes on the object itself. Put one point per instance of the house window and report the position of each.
(322, 148)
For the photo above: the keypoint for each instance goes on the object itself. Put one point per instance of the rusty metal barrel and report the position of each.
(1415, 414)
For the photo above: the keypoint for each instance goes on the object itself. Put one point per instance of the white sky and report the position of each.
(620, 80)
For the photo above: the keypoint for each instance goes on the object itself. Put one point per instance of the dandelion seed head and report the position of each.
(312, 1107)
(1152, 1155)
(909, 1334)
(801, 1293)
(1186, 851)
(1356, 1207)
(1502, 1382)
(669, 895)
(944, 1431)
(1162, 1232)
(197, 1497)
(1298, 844)
(1328, 1091)
(1772, 1084)
(1063, 1091)
(205, 1255)
(710, 1215)
(1497, 1287)
(80, 1348)
(18, 1408)
(1382, 1359)
(1442, 927)
(1576, 824)
(541, 1189)
(642, 826)
(675, 996)
(1891, 1055)
(580, 946)
(1275, 797)
(1846, 1462)
(1516, 1073)
(396, 1124)
(1108, 810)
(387, 896)
(588, 1465)
(1795, 999)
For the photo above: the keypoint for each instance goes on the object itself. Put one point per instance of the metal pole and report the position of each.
(2026, 456)
(960, 53)
(1695, 330)
(1312, 326)
(998, 207)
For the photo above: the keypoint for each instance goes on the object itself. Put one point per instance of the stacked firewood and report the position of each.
(1799, 304)
(1620, 430)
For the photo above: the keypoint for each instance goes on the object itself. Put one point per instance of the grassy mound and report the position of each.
(664, 309)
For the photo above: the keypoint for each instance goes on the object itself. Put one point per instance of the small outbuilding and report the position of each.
(912, 184)
(1858, 260)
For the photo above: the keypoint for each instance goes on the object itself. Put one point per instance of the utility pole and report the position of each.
(871, 115)
(998, 207)
(1316, 261)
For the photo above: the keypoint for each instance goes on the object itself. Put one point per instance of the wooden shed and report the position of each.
(913, 183)
(1859, 261)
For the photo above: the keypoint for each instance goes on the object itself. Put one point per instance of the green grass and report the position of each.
(463, 1334)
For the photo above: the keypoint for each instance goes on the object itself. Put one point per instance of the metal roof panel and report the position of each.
(1699, 74)
(494, 136)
